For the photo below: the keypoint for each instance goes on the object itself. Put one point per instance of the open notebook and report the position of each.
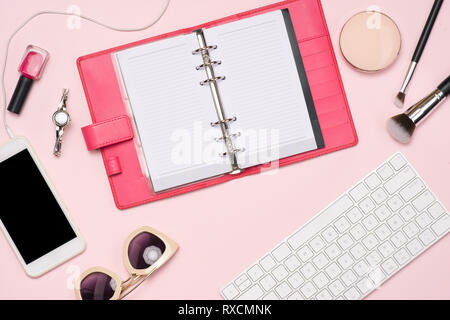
(239, 100)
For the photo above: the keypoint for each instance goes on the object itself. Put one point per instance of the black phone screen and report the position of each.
(28, 209)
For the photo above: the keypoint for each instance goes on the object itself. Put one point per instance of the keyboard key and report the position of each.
(352, 294)
(308, 270)
(329, 214)
(408, 212)
(358, 232)
(359, 192)
(377, 276)
(267, 282)
(402, 256)
(320, 260)
(283, 290)
(372, 181)
(436, 210)
(427, 237)
(395, 222)
(305, 253)
(370, 222)
(361, 268)
(354, 215)
(365, 285)
(253, 293)
(383, 232)
(342, 224)
(442, 225)
(247, 283)
(333, 270)
(336, 287)
(271, 296)
(292, 263)
(295, 296)
(382, 212)
(317, 244)
(398, 181)
(423, 201)
(414, 246)
(255, 272)
(345, 261)
(411, 230)
(397, 161)
(385, 172)
(329, 234)
(370, 241)
(399, 239)
(386, 249)
(348, 277)
(295, 280)
(267, 263)
(423, 220)
(280, 272)
(367, 205)
(412, 190)
(230, 292)
(374, 258)
(395, 203)
(321, 280)
(358, 251)
(324, 295)
(345, 241)
(241, 279)
(389, 266)
(308, 290)
(333, 251)
(379, 196)
(281, 252)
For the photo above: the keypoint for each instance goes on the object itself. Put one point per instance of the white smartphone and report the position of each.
(44, 236)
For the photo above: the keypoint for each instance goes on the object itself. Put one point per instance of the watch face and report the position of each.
(61, 118)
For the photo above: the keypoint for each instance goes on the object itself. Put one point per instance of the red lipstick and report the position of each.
(31, 68)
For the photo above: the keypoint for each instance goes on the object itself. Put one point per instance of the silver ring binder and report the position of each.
(224, 154)
(216, 123)
(205, 48)
(223, 121)
(233, 135)
(202, 83)
(218, 62)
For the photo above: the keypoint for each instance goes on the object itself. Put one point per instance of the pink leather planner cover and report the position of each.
(112, 132)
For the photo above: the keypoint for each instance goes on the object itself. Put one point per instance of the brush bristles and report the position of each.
(400, 100)
(401, 128)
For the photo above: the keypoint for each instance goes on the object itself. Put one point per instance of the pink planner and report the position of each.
(114, 132)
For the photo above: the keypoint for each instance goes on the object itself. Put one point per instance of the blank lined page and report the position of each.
(262, 88)
(172, 111)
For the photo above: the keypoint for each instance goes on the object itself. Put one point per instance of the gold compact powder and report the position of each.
(370, 41)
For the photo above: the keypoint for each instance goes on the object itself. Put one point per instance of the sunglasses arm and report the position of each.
(132, 283)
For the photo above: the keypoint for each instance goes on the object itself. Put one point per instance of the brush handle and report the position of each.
(445, 86)
(427, 30)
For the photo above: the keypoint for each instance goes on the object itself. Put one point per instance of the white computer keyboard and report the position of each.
(349, 249)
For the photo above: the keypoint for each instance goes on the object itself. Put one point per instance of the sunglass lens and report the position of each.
(144, 250)
(97, 286)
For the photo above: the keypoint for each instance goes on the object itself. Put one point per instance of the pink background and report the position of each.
(223, 229)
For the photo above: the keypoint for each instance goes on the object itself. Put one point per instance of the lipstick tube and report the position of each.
(30, 68)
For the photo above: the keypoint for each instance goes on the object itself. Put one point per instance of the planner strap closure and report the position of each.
(109, 132)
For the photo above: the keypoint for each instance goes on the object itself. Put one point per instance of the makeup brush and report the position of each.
(400, 99)
(401, 127)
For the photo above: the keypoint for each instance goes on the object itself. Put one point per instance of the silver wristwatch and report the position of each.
(61, 119)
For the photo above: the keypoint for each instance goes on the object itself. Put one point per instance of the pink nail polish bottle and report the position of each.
(31, 68)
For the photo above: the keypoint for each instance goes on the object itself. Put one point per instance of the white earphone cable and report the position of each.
(5, 124)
